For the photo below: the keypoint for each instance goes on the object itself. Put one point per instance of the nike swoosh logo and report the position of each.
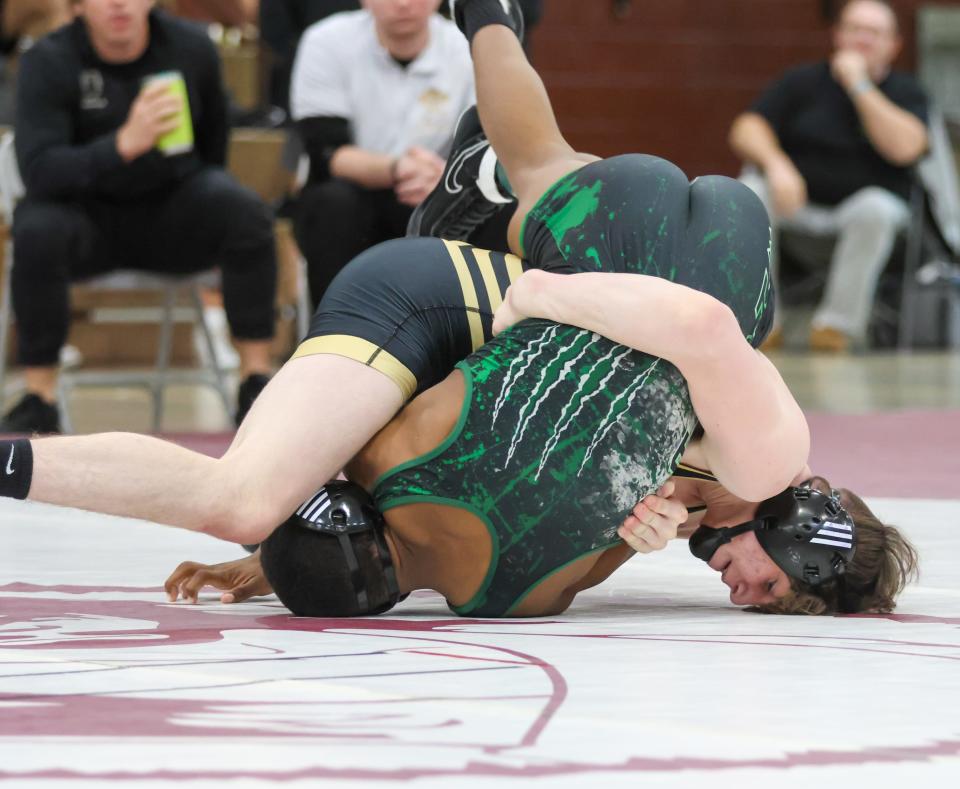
(452, 181)
(9, 468)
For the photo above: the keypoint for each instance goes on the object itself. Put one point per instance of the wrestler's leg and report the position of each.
(398, 318)
(519, 122)
(300, 433)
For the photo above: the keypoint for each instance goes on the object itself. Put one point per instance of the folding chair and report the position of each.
(931, 273)
(170, 286)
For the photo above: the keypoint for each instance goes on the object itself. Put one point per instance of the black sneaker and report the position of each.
(250, 387)
(32, 414)
(467, 195)
(510, 7)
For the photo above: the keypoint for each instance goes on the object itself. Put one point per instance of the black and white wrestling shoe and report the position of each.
(468, 195)
(506, 12)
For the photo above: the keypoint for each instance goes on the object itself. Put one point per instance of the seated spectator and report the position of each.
(101, 195)
(282, 22)
(376, 94)
(834, 142)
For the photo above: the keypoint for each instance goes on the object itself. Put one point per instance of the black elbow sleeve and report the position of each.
(321, 138)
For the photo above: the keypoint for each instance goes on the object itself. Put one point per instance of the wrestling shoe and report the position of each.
(505, 12)
(250, 387)
(467, 195)
(31, 415)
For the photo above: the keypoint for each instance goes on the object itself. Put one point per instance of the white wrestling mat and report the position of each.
(651, 680)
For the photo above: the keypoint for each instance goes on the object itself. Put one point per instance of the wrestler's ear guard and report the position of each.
(808, 534)
(705, 541)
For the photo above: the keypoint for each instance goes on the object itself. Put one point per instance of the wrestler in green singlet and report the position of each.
(561, 431)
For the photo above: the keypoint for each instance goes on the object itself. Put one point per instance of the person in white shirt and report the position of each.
(376, 94)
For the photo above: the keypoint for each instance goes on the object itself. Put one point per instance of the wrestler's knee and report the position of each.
(242, 510)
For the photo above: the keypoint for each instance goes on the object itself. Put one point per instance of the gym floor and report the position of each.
(651, 677)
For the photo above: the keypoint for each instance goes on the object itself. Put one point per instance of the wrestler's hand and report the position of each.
(239, 580)
(522, 292)
(154, 113)
(787, 187)
(654, 521)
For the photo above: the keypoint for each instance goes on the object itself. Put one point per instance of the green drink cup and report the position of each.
(180, 140)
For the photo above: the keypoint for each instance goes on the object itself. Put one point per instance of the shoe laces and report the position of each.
(474, 214)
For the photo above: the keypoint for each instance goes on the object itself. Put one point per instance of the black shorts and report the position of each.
(412, 308)
(639, 214)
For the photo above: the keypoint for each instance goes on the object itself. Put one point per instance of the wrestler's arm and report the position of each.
(756, 439)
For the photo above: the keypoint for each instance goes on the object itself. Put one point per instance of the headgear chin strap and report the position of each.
(807, 533)
(342, 510)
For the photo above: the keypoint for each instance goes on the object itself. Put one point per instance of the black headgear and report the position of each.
(344, 510)
(807, 533)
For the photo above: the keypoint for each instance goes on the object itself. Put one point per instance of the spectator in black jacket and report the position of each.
(101, 196)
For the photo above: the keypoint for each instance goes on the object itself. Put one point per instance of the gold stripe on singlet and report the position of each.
(692, 472)
(364, 352)
(470, 300)
(514, 267)
(485, 264)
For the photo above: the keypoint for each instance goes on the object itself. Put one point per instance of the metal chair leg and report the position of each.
(913, 253)
(6, 313)
(304, 313)
(163, 354)
(953, 318)
(63, 405)
(216, 369)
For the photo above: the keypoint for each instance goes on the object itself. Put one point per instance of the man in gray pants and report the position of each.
(829, 147)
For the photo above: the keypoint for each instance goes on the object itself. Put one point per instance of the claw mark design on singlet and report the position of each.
(574, 352)
(524, 360)
(582, 400)
(625, 400)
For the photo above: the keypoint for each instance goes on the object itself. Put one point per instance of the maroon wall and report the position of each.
(670, 77)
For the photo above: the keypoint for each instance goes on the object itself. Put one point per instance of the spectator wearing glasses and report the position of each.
(831, 145)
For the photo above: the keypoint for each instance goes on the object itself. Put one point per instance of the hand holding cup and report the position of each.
(159, 117)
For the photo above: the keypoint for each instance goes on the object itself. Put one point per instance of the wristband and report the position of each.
(861, 86)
